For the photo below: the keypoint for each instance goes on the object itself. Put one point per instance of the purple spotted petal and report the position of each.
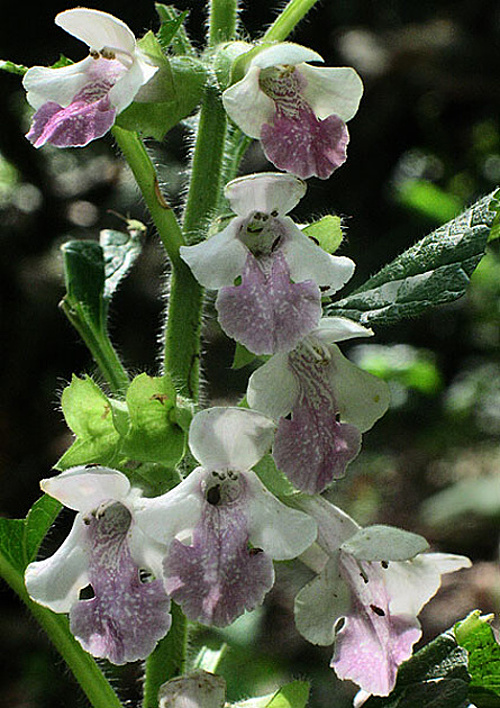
(313, 448)
(126, 617)
(267, 312)
(372, 643)
(218, 577)
(74, 126)
(305, 145)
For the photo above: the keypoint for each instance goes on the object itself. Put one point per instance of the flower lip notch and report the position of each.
(105, 550)
(296, 110)
(78, 103)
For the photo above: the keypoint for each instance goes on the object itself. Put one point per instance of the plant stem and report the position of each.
(222, 21)
(82, 665)
(286, 22)
(168, 659)
(99, 345)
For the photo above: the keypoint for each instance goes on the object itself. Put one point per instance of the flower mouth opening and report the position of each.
(222, 488)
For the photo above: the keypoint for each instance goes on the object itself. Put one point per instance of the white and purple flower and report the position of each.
(371, 586)
(297, 111)
(322, 403)
(78, 103)
(228, 526)
(278, 300)
(128, 611)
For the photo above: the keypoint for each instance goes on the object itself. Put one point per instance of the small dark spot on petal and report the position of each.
(365, 579)
(384, 564)
(213, 495)
(86, 593)
(145, 576)
(255, 551)
(378, 610)
(91, 465)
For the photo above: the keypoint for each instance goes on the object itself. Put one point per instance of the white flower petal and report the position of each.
(411, 584)
(247, 105)
(307, 261)
(384, 543)
(280, 531)
(284, 53)
(218, 260)
(124, 91)
(321, 603)
(84, 488)
(230, 438)
(176, 512)
(59, 85)
(338, 329)
(361, 397)
(272, 388)
(97, 29)
(334, 525)
(56, 582)
(266, 192)
(332, 90)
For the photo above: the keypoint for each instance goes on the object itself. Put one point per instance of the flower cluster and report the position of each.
(210, 541)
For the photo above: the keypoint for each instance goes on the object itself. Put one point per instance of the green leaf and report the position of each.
(474, 633)
(494, 206)
(154, 435)
(171, 30)
(120, 253)
(429, 200)
(156, 119)
(12, 544)
(84, 277)
(293, 695)
(272, 478)
(40, 518)
(88, 414)
(435, 677)
(434, 271)
(242, 356)
(12, 68)
(327, 233)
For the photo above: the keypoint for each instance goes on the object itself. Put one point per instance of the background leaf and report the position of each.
(434, 271)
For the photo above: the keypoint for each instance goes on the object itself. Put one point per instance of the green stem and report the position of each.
(168, 659)
(101, 349)
(82, 665)
(222, 21)
(144, 172)
(184, 293)
(286, 22)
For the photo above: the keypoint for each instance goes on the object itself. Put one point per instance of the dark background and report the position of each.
(429, 116)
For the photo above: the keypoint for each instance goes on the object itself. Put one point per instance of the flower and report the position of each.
(297, 111)
(322, 401)
(278, 300)
(107, 550)
(78, 103)
(228, 526)
(366, 598)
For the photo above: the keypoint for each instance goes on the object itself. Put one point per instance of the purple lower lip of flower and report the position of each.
(219, 576)
(267, 312)
(74, 126)
(372, 643)
(305, 145)
(126, 616)
(313, 448)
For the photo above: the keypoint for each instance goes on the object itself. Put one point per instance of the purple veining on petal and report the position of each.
(126, 617)
(372, 643)
(218, 577)
(267, 312)
(312, 447)
(296, 140)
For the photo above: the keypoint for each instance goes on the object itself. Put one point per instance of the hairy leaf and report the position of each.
(476, 635)
(434, 271)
